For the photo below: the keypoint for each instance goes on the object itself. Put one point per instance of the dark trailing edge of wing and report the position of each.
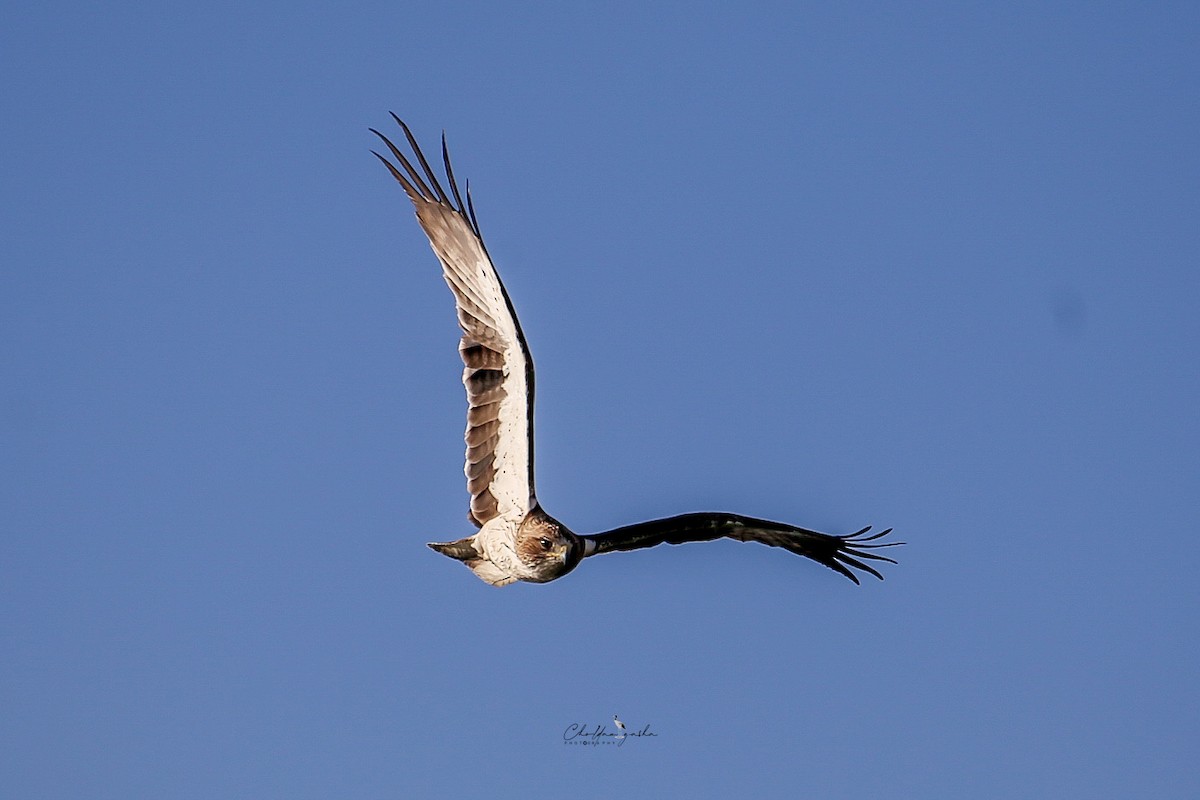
(839, 553)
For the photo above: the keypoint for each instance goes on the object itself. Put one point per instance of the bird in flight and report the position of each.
(516, 539)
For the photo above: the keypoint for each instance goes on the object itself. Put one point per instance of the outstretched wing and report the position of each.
(839, 553)
(498, 372)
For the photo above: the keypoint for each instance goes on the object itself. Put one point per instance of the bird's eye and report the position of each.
(545, 543)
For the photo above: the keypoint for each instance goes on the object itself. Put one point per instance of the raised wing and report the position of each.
(839, 553)
(498, 372)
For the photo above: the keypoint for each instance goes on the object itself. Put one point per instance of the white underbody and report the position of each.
(496, 543)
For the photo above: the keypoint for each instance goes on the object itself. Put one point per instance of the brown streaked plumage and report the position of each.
(516, 539)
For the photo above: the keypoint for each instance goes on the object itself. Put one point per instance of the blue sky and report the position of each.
(931, 266)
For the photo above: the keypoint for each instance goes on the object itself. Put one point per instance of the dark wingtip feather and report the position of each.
(429, 173)
(471, 212)
(422, 191)
(836, 566)
(855, 546)
(845, 557)
(422, 185)
(395, 173)
(450, 175)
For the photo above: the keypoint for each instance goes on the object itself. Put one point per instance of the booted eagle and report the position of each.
(517, 540)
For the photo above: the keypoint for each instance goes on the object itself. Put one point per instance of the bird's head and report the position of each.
(547, 547)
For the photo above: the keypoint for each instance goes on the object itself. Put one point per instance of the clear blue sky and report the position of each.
(934, 267)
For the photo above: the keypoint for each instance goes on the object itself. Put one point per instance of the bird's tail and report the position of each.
(463, 549)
